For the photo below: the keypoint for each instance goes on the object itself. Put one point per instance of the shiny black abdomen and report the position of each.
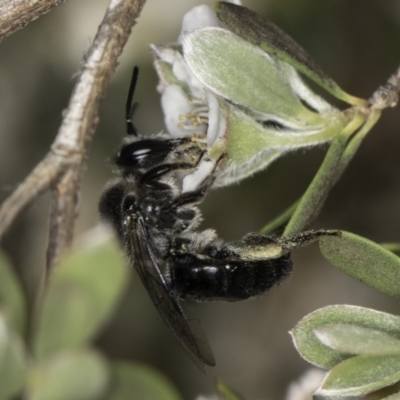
(205, 280)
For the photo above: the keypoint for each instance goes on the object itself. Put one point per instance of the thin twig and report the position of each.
(63, 211)
(62, 167)
(34, 184)
(387, 95)
(15, 14)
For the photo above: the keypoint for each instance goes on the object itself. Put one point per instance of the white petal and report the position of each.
(197, 18)
(184, 74)
(216, 121)
(180, 69)
(175, 103)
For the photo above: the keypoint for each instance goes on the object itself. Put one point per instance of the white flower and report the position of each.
(189, 108)
(239, 99)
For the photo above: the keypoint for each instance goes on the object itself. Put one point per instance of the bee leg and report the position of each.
(256, 246)
(304, 239)
(164, 169)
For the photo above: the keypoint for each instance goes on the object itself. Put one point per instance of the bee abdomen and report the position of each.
(207, 280)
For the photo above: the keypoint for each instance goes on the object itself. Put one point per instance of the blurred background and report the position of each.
(357, 43)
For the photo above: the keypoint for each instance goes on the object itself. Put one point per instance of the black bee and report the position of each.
(156, 221)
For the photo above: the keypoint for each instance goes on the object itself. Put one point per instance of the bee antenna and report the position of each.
(130, 107)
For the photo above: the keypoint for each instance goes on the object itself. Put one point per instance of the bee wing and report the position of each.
(179, 319)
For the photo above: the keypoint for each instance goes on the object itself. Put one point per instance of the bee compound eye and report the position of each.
(143, 154)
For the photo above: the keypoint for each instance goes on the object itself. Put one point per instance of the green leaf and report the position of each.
(12, 298)
(266, 35)
(364, 260)
(250, 146)
(81, 296)
(355, 339)
(249, 77)
(12, 361)
(70, 375)
(133, 381)
(361, 375)
(262, 99)
(315, 352)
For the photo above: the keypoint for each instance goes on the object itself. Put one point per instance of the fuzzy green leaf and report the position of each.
(249, 140)
(132, 381)
(364, 260)
(361, 375)
(80, 297)
(315, 352)
(70, 375)
(266, 35)
(355, 339)
(12, 298)
(247, 76)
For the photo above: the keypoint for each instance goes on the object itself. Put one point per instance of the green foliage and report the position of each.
(254, 82)
(81, 294)
(75, 374)
(266, 87)
(364, 260)
(357, 339)
(144, 382)
(361, 375)
(252, 87)
(316, 338)
(359, 345)
(271, 39)
(80, 297)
